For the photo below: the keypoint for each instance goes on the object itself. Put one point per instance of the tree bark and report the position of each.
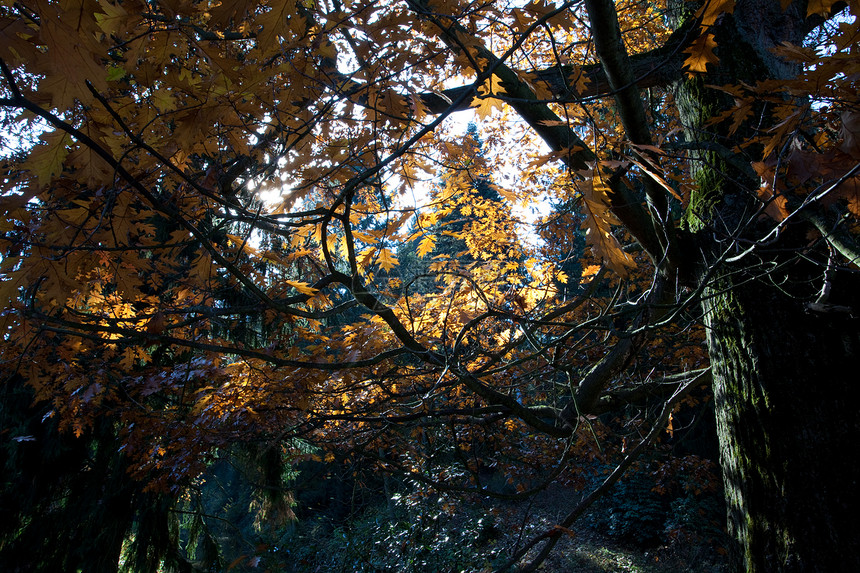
(783, 368)
(783, 381)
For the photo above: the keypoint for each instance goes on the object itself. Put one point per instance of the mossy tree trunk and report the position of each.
(785, 371)
(788, 427)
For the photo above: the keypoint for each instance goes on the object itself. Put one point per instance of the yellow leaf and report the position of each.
(484, 106)
(493, 86)
(303, 288)
(386, 260)
(365, 237)
(426, 245)
(590, 270)
(243, 244)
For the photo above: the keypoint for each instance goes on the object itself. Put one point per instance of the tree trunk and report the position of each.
(784, 373)
(783, 380)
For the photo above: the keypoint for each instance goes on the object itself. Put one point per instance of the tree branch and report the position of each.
(615, 62)
(549, 126)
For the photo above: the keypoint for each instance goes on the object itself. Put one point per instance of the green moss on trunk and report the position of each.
(785, 425)
(782, 373)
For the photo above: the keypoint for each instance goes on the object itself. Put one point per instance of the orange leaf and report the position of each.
(820, 7)
(714, 9)
(598, 224)
(386, 260)
(701, 53)
(426, 245)
(303, 288)
(484, 106)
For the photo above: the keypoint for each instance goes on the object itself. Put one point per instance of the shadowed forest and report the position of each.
(429, 285)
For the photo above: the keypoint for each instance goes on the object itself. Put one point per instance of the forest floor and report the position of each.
(633, 529)
(585, 549)
(590, 552)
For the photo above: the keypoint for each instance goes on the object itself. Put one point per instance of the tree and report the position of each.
(466, 224)
(710, 149)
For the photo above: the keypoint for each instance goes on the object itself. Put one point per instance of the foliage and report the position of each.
(414, 533)
(206, 205)
(646, 510)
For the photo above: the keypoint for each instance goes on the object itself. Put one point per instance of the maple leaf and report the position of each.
(90, 167)
(113, 18)
(72, 55)
(334, 107)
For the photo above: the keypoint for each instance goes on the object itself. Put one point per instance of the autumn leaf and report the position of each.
(819, 7)
(341, 110)
(426, 245)
(492, 86)
(795, 53)
(72, 56)
(701, 54)
(484, 106)
(113, 18)
(713, 9)
(776, 205)
(155, 325)
(578, 79)
(386, 260)
(486, 103)
(598, 224)
(590, 271)
(46, 160)
(419, 110)
(275, 24)
(850, 133)
(303, 288)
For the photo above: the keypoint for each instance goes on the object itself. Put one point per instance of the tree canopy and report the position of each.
(206, 205)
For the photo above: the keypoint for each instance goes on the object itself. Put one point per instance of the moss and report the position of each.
(698, 104)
